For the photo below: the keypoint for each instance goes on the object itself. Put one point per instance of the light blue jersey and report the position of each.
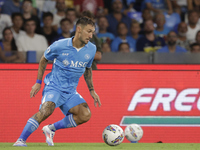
(69, 64)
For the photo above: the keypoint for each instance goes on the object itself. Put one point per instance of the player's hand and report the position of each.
(35, 89)
(96, 98)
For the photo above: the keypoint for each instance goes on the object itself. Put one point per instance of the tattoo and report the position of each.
(45, 111)
(42, 67)
(88, 78)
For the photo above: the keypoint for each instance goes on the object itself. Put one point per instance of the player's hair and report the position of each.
(88, 14)
(47, 14)
(65, 19)
(16, 14)
(85, 21)
(13, 44)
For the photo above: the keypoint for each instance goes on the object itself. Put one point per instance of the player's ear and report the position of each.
(79, 29)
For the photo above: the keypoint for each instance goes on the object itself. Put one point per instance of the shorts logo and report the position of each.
(87, 56)
(65, 62)
(50, 96)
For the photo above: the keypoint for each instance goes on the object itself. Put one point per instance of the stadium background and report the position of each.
(116, 85)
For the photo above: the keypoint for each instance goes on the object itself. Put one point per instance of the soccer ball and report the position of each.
(113, 135)
(133, 132)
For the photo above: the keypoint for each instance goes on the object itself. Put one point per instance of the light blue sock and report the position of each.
(67, 122)
(29, 128)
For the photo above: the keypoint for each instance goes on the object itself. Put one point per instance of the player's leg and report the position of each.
(76, 112)
(77, 115)
(49, 102)
(33, 122)
(81, 113)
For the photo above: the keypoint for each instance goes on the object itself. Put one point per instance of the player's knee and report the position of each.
(85, 116)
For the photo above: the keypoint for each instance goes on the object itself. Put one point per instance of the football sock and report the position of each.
(29, 128)
(66, 122)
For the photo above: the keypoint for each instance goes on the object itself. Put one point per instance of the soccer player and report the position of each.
(72, 57)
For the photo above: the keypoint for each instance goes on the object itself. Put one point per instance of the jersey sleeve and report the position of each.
(51, 52)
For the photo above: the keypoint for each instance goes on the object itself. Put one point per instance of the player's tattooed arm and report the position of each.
(42, 67)
(88, 78)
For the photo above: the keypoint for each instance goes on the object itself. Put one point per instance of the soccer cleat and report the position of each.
(20, 142)
(49, 135)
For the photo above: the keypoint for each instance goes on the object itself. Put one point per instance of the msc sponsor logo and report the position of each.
(78, 64)
(183, 100)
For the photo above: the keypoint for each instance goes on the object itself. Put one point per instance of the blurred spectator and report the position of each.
(47, 29)
(105, 47)
(61, 7)
(17, 20)
(31, 41)
(124, 47)
(65, 25)
(11, 6)
(71, 15)
(135, 29)
(159, 5)
(198, 37)
(146, 15)
(193, 5)
(94, 6)
(180, 7)
(69, 3)
(149, 42)
(182, 39)
(103, 35)
(193, 27)
(49, 6)
(5, 21)
(35, 10)
(172, 20)
(171, 44)
(116, 17)
(8, 48)
(195, 48)
(122, 38)
(27, 14)
(130, 8)
(161, 30)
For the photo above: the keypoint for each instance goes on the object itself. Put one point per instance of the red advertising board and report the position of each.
(163, 99)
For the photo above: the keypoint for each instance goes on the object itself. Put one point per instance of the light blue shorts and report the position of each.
(65, 101)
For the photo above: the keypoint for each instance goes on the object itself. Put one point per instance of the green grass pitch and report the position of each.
(102, 146)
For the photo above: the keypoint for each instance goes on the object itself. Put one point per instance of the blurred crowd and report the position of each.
(121, 25)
